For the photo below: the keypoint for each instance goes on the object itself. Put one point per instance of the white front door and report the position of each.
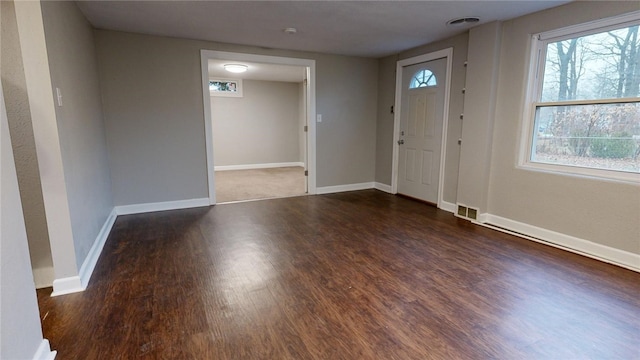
(421, 121)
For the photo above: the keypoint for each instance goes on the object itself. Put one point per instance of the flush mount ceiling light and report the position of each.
(290, 30)
(464, 20)
(235, 68)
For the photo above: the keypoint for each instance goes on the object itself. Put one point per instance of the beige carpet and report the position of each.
(238, 185)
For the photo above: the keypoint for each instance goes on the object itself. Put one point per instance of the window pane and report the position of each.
(598, 66)
(423, 78)
(593, 136)
(222, 86)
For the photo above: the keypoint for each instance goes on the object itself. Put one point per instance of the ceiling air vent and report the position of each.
(464, 21)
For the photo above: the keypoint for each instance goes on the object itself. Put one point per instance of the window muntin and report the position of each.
(423, 78)
(586, 111)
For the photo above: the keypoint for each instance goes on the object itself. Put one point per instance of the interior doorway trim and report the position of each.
(445, 53)
(310, 66)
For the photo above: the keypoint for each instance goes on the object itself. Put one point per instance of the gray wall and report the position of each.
(20, 331)
(346, 96)
(259, 128)
(479, 114)
(19, 116)
(33, 50)
(386, 98)
(152, 96)
(73, 66)
(604, 212)
(384, 125)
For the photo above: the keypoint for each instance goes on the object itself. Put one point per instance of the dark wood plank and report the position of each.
(360, 275)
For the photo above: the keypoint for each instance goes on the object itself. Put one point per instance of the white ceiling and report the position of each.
(258, 71)
(357, 28)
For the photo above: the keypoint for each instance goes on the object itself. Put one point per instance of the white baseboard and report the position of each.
(566, 242)
(91, 260)
(79, 283)
(68, 285)
(382, 187)
(483, 218)
(161, 206)
(257, 166)
(343, 188)
(43, 277)
(44, 351)
(447, 206)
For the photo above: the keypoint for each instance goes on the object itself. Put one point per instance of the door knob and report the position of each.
(400, 142)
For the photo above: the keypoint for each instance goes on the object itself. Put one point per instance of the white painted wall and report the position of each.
(20, 332)
(155, 123)
(261, 127)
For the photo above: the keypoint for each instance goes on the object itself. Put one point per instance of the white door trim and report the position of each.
(310, 65)
(445, 53)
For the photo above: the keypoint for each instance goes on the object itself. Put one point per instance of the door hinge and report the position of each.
(306, 173)
(306, 128)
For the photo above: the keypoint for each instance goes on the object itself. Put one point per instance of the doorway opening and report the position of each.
(420, 125)
(260, 142)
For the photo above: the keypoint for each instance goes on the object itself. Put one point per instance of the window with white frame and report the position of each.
(584, 99)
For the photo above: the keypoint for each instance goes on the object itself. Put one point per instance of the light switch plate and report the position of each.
(59, 96)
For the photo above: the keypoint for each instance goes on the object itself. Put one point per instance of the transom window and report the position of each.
(423, 78)
(584, 104)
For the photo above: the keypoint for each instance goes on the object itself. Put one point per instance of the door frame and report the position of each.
(445, 53)
(310, 100)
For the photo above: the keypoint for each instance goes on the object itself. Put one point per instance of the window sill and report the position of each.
(581, 172)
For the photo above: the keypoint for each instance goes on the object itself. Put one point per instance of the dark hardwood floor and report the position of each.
(360, 275)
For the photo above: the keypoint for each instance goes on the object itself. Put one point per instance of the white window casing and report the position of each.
(533, 97)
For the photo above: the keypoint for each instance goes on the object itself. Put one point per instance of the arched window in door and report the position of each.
(423, 78)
